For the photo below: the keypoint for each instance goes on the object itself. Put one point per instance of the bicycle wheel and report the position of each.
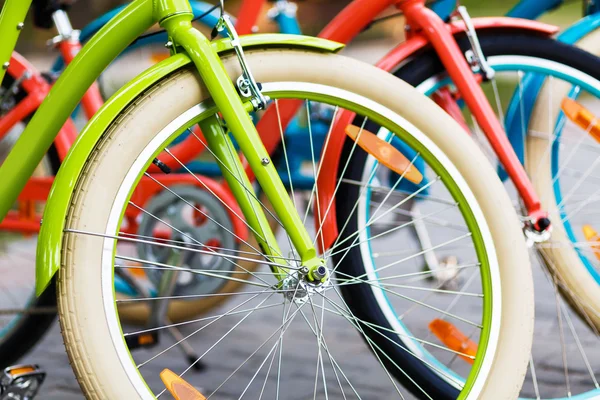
(24, 319)
(558, 157)
(309, 336)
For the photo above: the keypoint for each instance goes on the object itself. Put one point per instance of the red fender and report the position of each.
(331, 155)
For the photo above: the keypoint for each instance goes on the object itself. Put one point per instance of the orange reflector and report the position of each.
(384, 152)
(21, 370)
(582, 117)
(138, 272)
(454, 339)
(146, 339)
(158, 57)
(179, 388)
(592, 236)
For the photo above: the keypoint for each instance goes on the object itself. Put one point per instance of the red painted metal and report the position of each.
(148, 187)
(353, 19)
(423, 19)
(418, 41)
(248, 16)
(427, 29)
(444, 99)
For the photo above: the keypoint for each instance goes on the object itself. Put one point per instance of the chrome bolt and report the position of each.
(169, 44)
(304, 270)
(320, 273)
(5, 65)
(20, 26)
(265, 161)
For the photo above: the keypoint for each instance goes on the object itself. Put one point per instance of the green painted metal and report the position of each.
(97, 54)
(13, 12)
(164, 9)
(230, 105)
(283, 40)
(51, 234)
(231, 167)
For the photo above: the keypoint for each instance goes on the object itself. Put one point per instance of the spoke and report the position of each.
(498, 102)
(562, 341)
(534, 377)
(432, 221)
(579, 345)
(334, 363)
(337, 186)
(402, 260)
(372, 219)
(200, 211)
(391, 230)
(192, 245)
(352, 320)
(287, 164)
(185, 248)
(193, 271)
(402, 335)
(353, 280)
(194, 296)
(233, 175)
(282, 328)
(193, 321)
(385, 189)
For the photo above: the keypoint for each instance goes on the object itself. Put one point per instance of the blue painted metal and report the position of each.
(532, 9)
(519, 113)
(443, 8)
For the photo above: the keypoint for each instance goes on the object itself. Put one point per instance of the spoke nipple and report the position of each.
(20, 26)
(265, 161)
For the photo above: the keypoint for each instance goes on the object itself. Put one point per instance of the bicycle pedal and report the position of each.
(142, 340)
(178, 387)
(21, 382)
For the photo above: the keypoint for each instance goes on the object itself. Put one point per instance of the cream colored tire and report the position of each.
(563, 262)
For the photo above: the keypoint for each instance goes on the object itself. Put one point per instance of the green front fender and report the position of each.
(50, 239)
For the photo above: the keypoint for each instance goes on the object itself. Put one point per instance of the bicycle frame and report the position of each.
(175, 16)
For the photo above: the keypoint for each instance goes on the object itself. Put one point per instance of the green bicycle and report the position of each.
(302, 322)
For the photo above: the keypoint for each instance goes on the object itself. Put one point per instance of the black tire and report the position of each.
(425, 65)
(30, 328)
(493, 43)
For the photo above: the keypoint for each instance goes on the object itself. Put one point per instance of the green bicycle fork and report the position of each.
(240, 124)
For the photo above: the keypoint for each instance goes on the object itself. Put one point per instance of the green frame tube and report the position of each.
(12, 19)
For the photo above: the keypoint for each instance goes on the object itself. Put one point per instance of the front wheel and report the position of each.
(337, 337)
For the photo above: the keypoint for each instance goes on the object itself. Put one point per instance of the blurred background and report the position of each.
(312, 14)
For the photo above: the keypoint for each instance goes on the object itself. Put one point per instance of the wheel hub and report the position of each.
(298, 286)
